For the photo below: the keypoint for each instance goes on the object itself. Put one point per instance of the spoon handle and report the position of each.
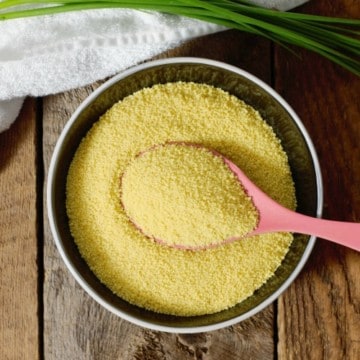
(343, 233)
(275, 217)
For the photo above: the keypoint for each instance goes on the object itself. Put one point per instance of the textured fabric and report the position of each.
(51, 54)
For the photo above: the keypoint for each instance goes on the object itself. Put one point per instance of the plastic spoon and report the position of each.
(272, 217)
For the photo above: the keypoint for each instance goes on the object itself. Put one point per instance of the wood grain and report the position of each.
(319, 316)
(75, 324)
(18, 239)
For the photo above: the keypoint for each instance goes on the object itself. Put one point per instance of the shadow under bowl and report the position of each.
(274, 110)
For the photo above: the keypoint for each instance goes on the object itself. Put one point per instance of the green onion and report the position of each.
(337, 39)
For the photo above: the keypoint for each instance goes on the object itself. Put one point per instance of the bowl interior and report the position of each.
(293, 141)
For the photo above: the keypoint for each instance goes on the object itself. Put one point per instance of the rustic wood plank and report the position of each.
(75, 324)
(18, 239)
(319, 316)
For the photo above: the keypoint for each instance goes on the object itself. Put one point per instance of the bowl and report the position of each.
(275, 111)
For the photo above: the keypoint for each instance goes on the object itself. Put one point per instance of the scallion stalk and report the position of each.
(337, 39)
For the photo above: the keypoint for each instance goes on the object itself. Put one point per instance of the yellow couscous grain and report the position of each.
(141, 271)
(186, 196)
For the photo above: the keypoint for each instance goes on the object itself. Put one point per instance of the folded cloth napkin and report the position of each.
(50, 54)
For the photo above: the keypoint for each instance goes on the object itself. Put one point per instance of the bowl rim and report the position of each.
(50, 204)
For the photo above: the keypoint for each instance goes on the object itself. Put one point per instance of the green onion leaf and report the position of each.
(337, 39)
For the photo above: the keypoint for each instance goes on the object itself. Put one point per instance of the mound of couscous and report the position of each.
(138, 269)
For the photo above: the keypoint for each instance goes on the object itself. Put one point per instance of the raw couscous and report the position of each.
(143, 272)
(184, 195)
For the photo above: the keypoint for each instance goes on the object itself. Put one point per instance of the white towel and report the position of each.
(50, 54)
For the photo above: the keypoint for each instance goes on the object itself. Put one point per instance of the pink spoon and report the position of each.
(274, 217)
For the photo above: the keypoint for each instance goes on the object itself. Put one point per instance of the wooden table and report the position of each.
(45, 314)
